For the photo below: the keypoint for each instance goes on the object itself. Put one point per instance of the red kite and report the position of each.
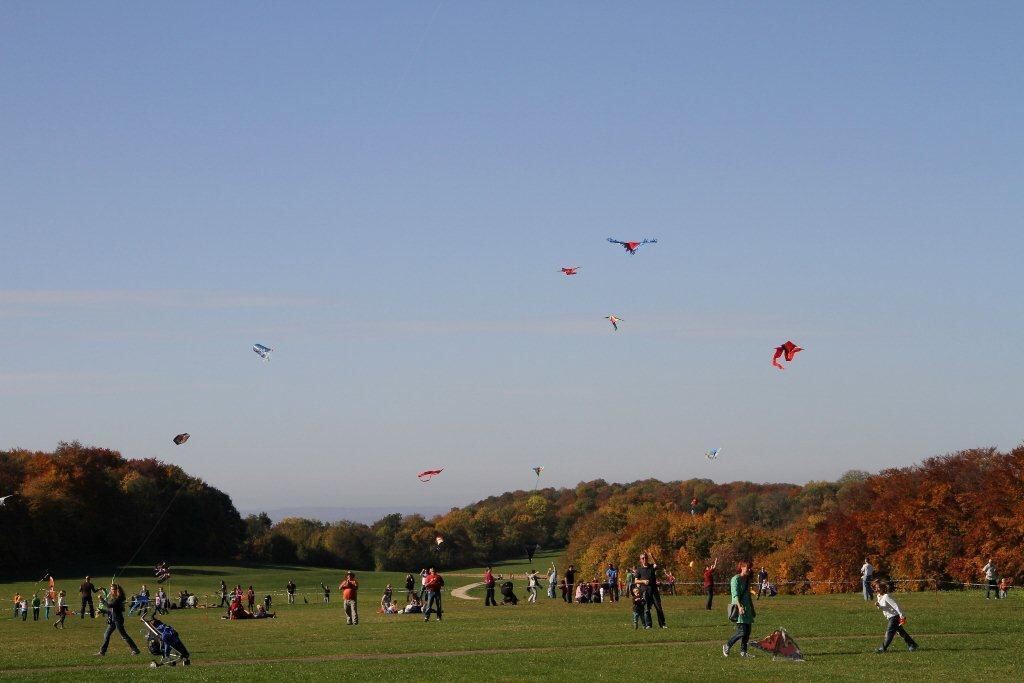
(429, 474)
(570, 271)
(614, 321)
(631, 247)
(789, 350)
(780, 644)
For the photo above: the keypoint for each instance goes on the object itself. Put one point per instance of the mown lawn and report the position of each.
(962, 636)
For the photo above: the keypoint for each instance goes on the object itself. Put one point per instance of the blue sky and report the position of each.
(384, 192)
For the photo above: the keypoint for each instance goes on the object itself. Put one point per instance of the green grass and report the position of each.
(962, 636)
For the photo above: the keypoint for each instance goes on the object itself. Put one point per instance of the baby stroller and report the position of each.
(163, 641)
(507, 596)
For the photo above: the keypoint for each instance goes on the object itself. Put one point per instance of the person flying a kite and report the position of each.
(631, 247)
(614, 321)
(787, 350)
(262, 351)
(570, 270)
(427, 475)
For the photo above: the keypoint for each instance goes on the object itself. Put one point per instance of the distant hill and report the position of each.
(363, 515)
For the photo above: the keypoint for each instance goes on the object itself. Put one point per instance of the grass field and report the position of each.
(962, 636)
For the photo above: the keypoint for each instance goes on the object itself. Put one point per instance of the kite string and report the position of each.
(152, 530)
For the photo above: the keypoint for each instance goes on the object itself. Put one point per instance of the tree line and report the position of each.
(932, 524)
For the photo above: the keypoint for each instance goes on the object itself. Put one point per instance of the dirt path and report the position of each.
(312, 659)
(462, 592)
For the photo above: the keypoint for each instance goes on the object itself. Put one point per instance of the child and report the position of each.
(892, 612)
(1003, 586)
(641, 614)
(24, 609)
(62, 610)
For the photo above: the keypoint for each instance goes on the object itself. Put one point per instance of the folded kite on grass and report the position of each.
(780, 644)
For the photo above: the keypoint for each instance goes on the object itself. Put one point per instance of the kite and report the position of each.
(439, 540)
(3, 500)
(631, 247)
(162, 572)
(788, 350)
(427, 475)
(712, 454)
(181, 438)
(537, 471)
(780, 644)
(693, 506)
(570, 271)
(614, 321)
(262, 351)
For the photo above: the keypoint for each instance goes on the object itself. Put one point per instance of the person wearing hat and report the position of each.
(349, 589)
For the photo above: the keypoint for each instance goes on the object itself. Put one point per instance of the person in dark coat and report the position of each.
(115, 620)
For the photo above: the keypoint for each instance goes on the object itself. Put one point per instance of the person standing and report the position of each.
(35, 606)
(531, 586)
(250, 598)
(433, 585)
(630, 580)
(570, 580)
(410, 588)
(739, 587)
(17, 603)
(552, 580)
(223, 595)
(896, 620)
(349, 592)
(327, 593)
(115, 621)
(290, 589)
(641, 612)
(489, 589)
(647, 576)
(990, 577)
(613, 581)
(762, 582)
(48, 600)
(86, 590)
(866, 572)
(62, 610)
(709, 581)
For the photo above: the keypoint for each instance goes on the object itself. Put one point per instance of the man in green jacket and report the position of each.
(740, 588)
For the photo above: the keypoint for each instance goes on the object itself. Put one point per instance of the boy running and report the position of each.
(892, 612)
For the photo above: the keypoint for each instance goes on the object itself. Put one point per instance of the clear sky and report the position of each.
(384, 192)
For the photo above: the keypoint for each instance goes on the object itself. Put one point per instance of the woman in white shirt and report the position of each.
(895, 617)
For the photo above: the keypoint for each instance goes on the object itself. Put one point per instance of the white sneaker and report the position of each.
(725, 650)
(748, 655)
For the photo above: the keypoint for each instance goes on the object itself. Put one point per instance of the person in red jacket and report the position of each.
(709, 581)
(489, 586)
(433, 585)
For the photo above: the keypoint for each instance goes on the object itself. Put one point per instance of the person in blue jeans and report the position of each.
(641, 610)
(613, 581)
(433, 586)
(866, 572)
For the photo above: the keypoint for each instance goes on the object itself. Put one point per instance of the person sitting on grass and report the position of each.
(387, 599)
(262, 613)
(414, 606)
(895, 617)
